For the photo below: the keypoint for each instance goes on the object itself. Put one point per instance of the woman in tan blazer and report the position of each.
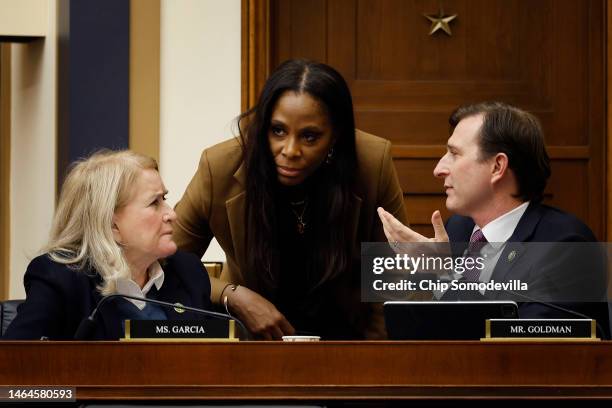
(290, 202)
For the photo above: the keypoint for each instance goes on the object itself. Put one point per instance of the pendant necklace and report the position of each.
(301, 225)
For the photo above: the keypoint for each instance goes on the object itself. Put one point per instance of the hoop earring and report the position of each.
(330, 156)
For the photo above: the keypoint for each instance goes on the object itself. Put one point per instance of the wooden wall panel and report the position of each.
(421, 207)
(609, 126)
(417, 176)
(255, 49)
(292, 16)
(546, 56)
(564, 186)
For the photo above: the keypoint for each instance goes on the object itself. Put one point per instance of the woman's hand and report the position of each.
(259, 315)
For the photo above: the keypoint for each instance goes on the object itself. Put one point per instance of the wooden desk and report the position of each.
(312, 371)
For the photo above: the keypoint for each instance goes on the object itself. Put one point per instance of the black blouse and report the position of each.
(309, 307)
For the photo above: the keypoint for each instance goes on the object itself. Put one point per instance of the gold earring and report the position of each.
(330, 156)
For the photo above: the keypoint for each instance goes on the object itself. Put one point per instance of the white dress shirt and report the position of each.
(497, 233)
(131, 288)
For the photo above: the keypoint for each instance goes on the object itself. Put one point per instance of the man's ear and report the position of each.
(499, 167)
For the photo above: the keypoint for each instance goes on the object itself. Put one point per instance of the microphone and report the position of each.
(544, 303)
(88, 325)
(557, 307)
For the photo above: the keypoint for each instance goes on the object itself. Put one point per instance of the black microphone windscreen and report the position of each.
(85, 329)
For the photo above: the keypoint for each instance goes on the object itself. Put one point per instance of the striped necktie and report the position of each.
(477, 242)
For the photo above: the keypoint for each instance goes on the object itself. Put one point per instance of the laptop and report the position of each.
(443, 320)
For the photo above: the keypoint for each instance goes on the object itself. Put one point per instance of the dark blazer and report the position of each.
(59, 298)
(570, 275)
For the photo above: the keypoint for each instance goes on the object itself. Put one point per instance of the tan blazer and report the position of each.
(214, 205)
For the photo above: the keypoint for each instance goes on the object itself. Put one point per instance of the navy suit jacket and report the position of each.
(59, 298)
(574, 277)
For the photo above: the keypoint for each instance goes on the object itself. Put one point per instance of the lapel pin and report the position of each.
(511, 256)
(178, 308)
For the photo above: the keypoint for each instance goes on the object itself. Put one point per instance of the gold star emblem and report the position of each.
(440, 22)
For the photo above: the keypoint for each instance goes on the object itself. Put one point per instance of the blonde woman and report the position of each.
(112, 233)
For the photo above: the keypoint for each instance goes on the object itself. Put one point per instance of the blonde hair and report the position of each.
(81, 234)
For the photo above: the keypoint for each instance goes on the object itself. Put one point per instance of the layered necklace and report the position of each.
(299, 215)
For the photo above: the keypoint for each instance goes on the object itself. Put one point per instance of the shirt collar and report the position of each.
(498, 231)
(131, 288)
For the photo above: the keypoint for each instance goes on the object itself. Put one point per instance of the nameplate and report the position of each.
(540, 329)
(202, 330)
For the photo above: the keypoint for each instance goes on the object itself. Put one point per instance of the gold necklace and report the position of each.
(301, 225)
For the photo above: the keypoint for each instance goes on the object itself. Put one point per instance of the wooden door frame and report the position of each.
(608, 126)
(256, 62)
(255, 52)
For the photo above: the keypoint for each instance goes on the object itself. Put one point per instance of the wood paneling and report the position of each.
(417, 177)
(255, 49)
(609, 124)
(421, 207)
(5, 168)
(435, 151)
(357, 371)
(547, 57)
(290, 17)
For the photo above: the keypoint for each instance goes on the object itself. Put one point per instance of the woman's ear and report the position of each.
(115, 229)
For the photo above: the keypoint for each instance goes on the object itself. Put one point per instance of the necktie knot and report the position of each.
(477, 241)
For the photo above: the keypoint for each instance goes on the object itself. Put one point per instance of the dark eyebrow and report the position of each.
(312, 128)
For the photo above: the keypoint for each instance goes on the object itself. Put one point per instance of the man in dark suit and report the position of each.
(495, 171)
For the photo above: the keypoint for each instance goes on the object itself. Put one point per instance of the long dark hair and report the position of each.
(332, 253)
